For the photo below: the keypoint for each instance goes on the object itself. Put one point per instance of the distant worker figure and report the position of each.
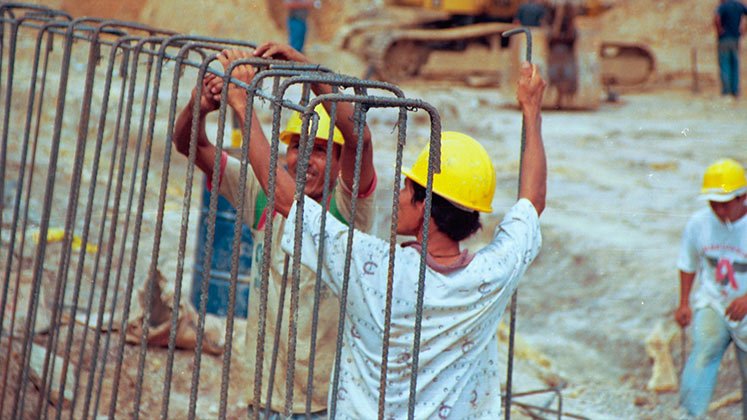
(714, 246)
(532, 13)
(562, 70)
(728, 21)
(298, 12)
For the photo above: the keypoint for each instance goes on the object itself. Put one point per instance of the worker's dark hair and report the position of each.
(456, 223)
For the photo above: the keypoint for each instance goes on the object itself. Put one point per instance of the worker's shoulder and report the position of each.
(731, 6)
(524, 206)
(701, 217)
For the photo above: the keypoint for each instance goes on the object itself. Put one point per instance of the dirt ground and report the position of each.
(622, 183)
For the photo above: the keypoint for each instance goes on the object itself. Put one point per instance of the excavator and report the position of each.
(406, 38)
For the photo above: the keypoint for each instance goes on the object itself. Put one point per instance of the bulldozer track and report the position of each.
(461, 41)
(399, 55)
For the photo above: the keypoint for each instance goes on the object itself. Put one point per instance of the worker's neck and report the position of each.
(439, 244)
(739, 213)
(733, 215)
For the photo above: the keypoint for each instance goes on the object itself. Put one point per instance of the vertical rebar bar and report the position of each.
(27, 131)
(320, 260)
(515, 296)
(401, 139)
(267, 243)
(139, 211)
(102, 230)
(306, 144)
(434, 166)
(117, 167)
(46, 214)
(85, 114)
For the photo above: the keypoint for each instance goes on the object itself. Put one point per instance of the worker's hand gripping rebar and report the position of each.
(514, 298)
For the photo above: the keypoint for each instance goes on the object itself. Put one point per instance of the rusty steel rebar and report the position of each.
(515, 297)
(103, 185)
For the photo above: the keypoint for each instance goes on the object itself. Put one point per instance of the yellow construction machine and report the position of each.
(438, 39)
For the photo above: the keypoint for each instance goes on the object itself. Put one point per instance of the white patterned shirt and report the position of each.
(458, 373)
(328, 305)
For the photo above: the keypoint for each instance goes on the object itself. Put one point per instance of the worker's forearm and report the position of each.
(686, 284)
(347, 167)
(182, 129)
(533, 182)
(349, 132)
(205, 152)
(345, 122)
(259, 158)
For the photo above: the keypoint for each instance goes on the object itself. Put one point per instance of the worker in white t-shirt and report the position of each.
(714, 246)
(465, 294)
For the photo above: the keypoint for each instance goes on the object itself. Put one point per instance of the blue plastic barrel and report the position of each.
(220, 267)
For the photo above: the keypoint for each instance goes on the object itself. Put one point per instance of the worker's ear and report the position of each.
(420, 207)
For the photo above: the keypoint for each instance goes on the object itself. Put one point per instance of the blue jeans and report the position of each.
(728, 63)
(296, 32)
(711, 338)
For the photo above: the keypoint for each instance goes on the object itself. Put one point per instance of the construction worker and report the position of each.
(255, 215)
(465, 293)
(532, 13)
(714, 245)
(728, 23)
(298, 13)
(562, 70)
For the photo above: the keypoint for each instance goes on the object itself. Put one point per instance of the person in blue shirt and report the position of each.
(728, 21)
(532, 13)
(298, 12)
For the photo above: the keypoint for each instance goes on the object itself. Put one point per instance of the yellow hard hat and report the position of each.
(723, 181)
(322, 131)
(467, 177)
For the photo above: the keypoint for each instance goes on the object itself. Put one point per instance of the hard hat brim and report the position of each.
(285, 137)
(457, 203)
(721, 197)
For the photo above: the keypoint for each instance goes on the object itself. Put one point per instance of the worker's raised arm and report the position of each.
(344, 121)
(533, 182)
(259, 147)
(209, 102)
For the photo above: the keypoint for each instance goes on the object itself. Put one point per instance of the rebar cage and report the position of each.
(85, 218)
(92, 195)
